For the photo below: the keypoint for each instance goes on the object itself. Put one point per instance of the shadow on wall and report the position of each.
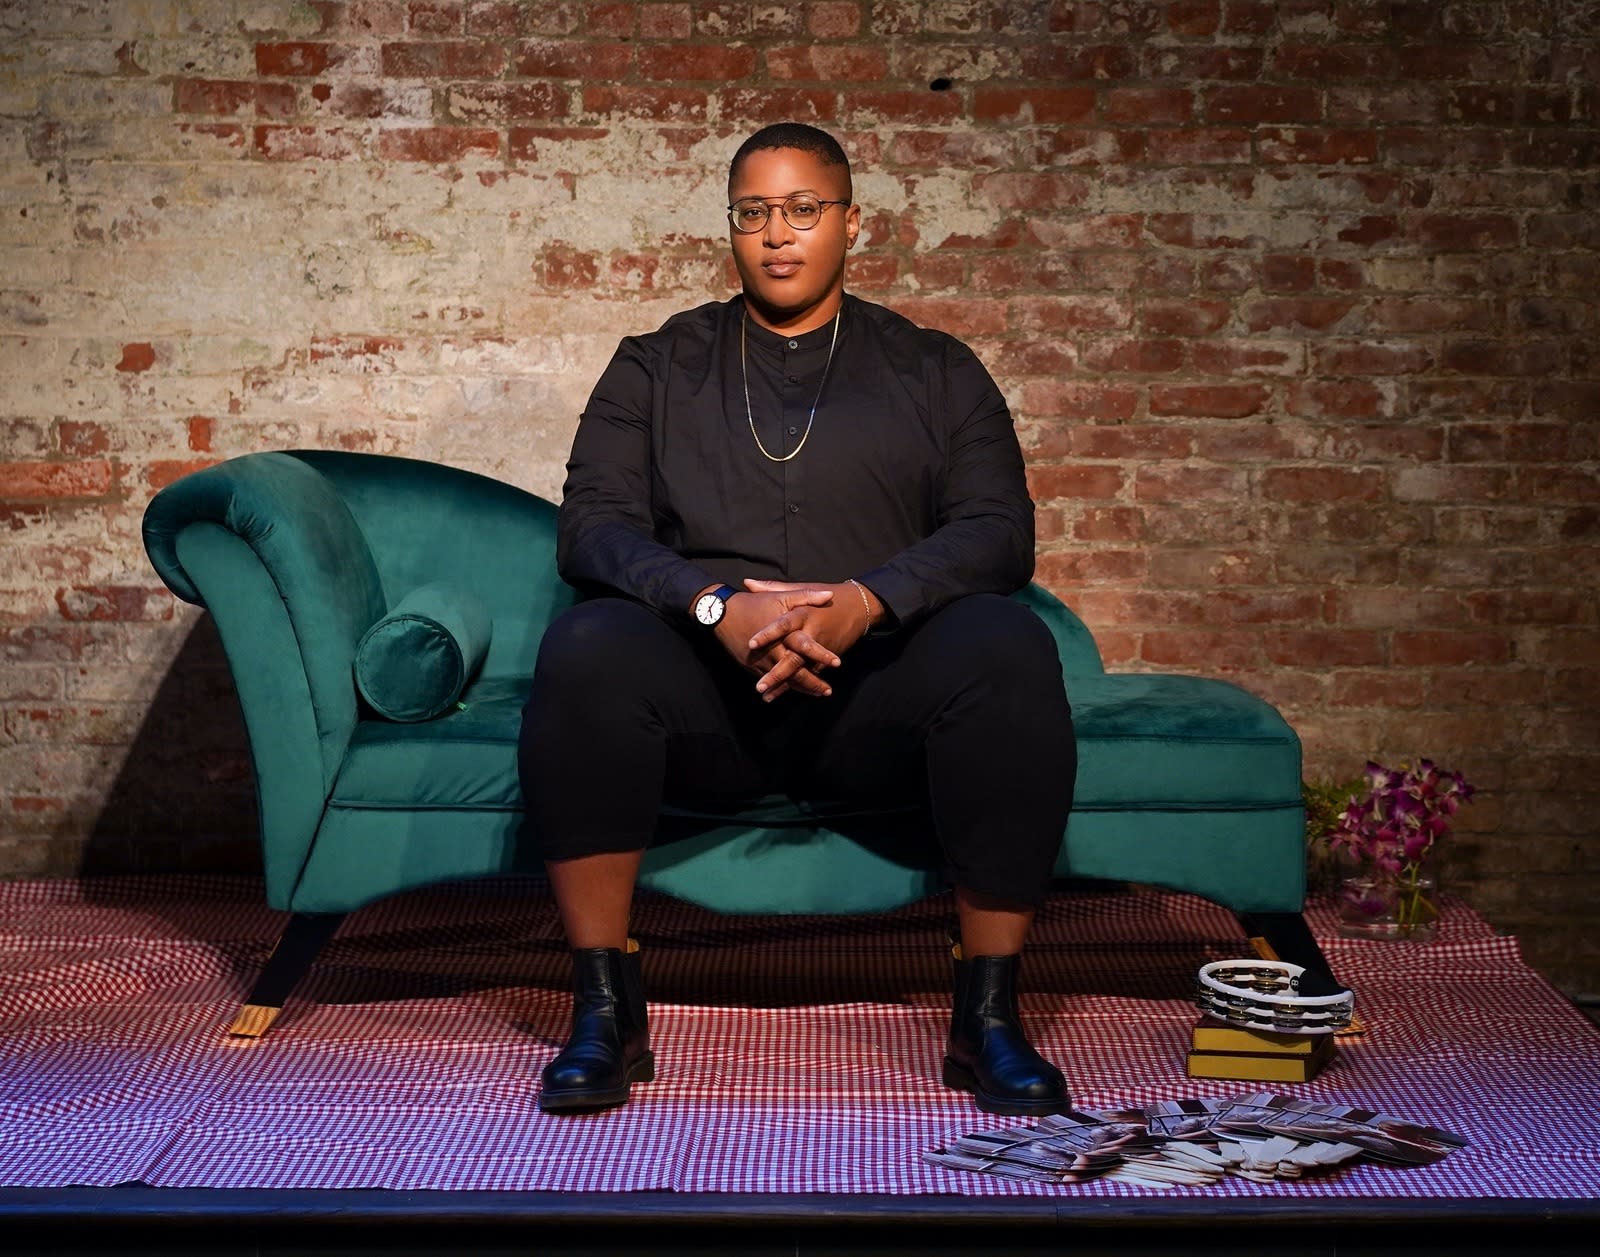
(184, 800)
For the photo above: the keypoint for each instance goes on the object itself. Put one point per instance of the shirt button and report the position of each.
(793, 379)
(793, 429)
(793, 509)
(794, 344)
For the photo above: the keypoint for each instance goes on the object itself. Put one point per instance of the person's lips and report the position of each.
(780, 267)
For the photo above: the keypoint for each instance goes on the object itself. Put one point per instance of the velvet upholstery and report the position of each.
(1183, 781)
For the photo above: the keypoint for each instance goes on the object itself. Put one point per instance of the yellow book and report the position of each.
(1244, 1065)
(1211, 1035)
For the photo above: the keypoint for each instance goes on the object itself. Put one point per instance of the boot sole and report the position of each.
(575, 1101)
(960, 1078)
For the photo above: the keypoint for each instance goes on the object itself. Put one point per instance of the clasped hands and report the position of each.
(787, 632)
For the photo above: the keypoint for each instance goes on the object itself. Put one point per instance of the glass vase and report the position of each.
(1389, 907)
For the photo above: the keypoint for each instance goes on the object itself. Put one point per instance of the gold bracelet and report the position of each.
(864, 602)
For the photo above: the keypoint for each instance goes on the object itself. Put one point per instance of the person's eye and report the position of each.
(750, 213)
(805, 211)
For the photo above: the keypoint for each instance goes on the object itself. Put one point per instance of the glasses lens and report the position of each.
(802, 212)
(749, 216)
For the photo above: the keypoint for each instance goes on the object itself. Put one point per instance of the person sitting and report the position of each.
(795, 519)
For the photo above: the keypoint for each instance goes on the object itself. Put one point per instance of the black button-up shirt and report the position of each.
(910, 478)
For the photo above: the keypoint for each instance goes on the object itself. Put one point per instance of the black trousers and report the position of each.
(965, 714)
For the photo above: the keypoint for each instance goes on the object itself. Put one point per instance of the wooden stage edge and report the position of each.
(67, 1221)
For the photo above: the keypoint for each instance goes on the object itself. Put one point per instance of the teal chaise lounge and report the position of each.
(1183, 782)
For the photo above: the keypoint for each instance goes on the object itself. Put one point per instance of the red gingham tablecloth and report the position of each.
(794, 1054)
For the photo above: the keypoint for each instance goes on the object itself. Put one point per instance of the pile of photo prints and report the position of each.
(1192, 1143)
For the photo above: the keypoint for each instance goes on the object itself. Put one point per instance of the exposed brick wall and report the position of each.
(1294, 302)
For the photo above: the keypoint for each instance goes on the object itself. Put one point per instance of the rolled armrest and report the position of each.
(267, 545)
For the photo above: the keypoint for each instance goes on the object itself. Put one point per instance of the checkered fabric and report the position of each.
(793, 1055)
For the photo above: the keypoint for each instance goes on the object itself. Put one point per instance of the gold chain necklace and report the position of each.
(744, 373)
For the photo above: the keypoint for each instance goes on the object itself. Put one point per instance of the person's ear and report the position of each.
(852, 226)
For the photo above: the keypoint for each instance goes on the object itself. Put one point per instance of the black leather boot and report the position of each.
(609, 1049)
(988, 1054)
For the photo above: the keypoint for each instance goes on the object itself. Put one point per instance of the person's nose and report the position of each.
(778, 232)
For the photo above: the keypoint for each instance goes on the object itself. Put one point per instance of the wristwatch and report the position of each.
(708, 607)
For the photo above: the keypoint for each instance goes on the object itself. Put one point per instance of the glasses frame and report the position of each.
(781, 204)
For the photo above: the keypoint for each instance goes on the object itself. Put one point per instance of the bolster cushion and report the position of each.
(413, 664)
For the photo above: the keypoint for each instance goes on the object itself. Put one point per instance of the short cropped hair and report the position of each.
(807, 139)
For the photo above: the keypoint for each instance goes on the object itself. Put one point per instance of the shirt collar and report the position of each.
(817, 338)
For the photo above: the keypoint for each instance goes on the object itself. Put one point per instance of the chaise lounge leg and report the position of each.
(1285, 936)
(297, 947)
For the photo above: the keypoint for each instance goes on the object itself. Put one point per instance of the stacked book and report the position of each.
(1218, 1050)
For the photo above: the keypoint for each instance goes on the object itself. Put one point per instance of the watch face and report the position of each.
(708, 609)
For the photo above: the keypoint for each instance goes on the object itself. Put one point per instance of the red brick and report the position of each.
(219, 96)
(1184, 317)
(1317, 314)
(566, 267)
(615, 21)
(1157, 482)
(1323, 147)
(297, 59)
(655, 104)
(573, 59)
(162, 472)
(1185, 567)
(438, 144)
(1194, 17)
(1067, 63)
(680, 62)
(496, 18)
(1324, 648)
(1070, 314)
(1448, 648)
(136, 357)
(303, 143)
(524, 142)
(665, 21)
(1034, 106)
(829, 63)
(456, 59)
(1245, 357)
(1069, 568)
(1191, 65)
(81, 439)
(1080, 400)
(1322, 63)
(1125, 441)
(1077, 482)
(478, 102)
(1431, 314)
(962, 317)
(114, 602)
(83, 478)
(1082, 146)
(434, 17)
(1468, 147)
(1263, 103)
(201, 432)
(1370, 358)
(1139, 357)
(1199, 146)
(1339, 399)
(1465, 231)
(1320, 484)
(1035, 191)
(1376, 688)
(866, 108)
(833, 19)
(1148, 106)
(1108, 523)
(1200, 649)
(1221, 401)
(763, 105)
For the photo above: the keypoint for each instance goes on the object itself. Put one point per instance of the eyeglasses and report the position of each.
(801, 211)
